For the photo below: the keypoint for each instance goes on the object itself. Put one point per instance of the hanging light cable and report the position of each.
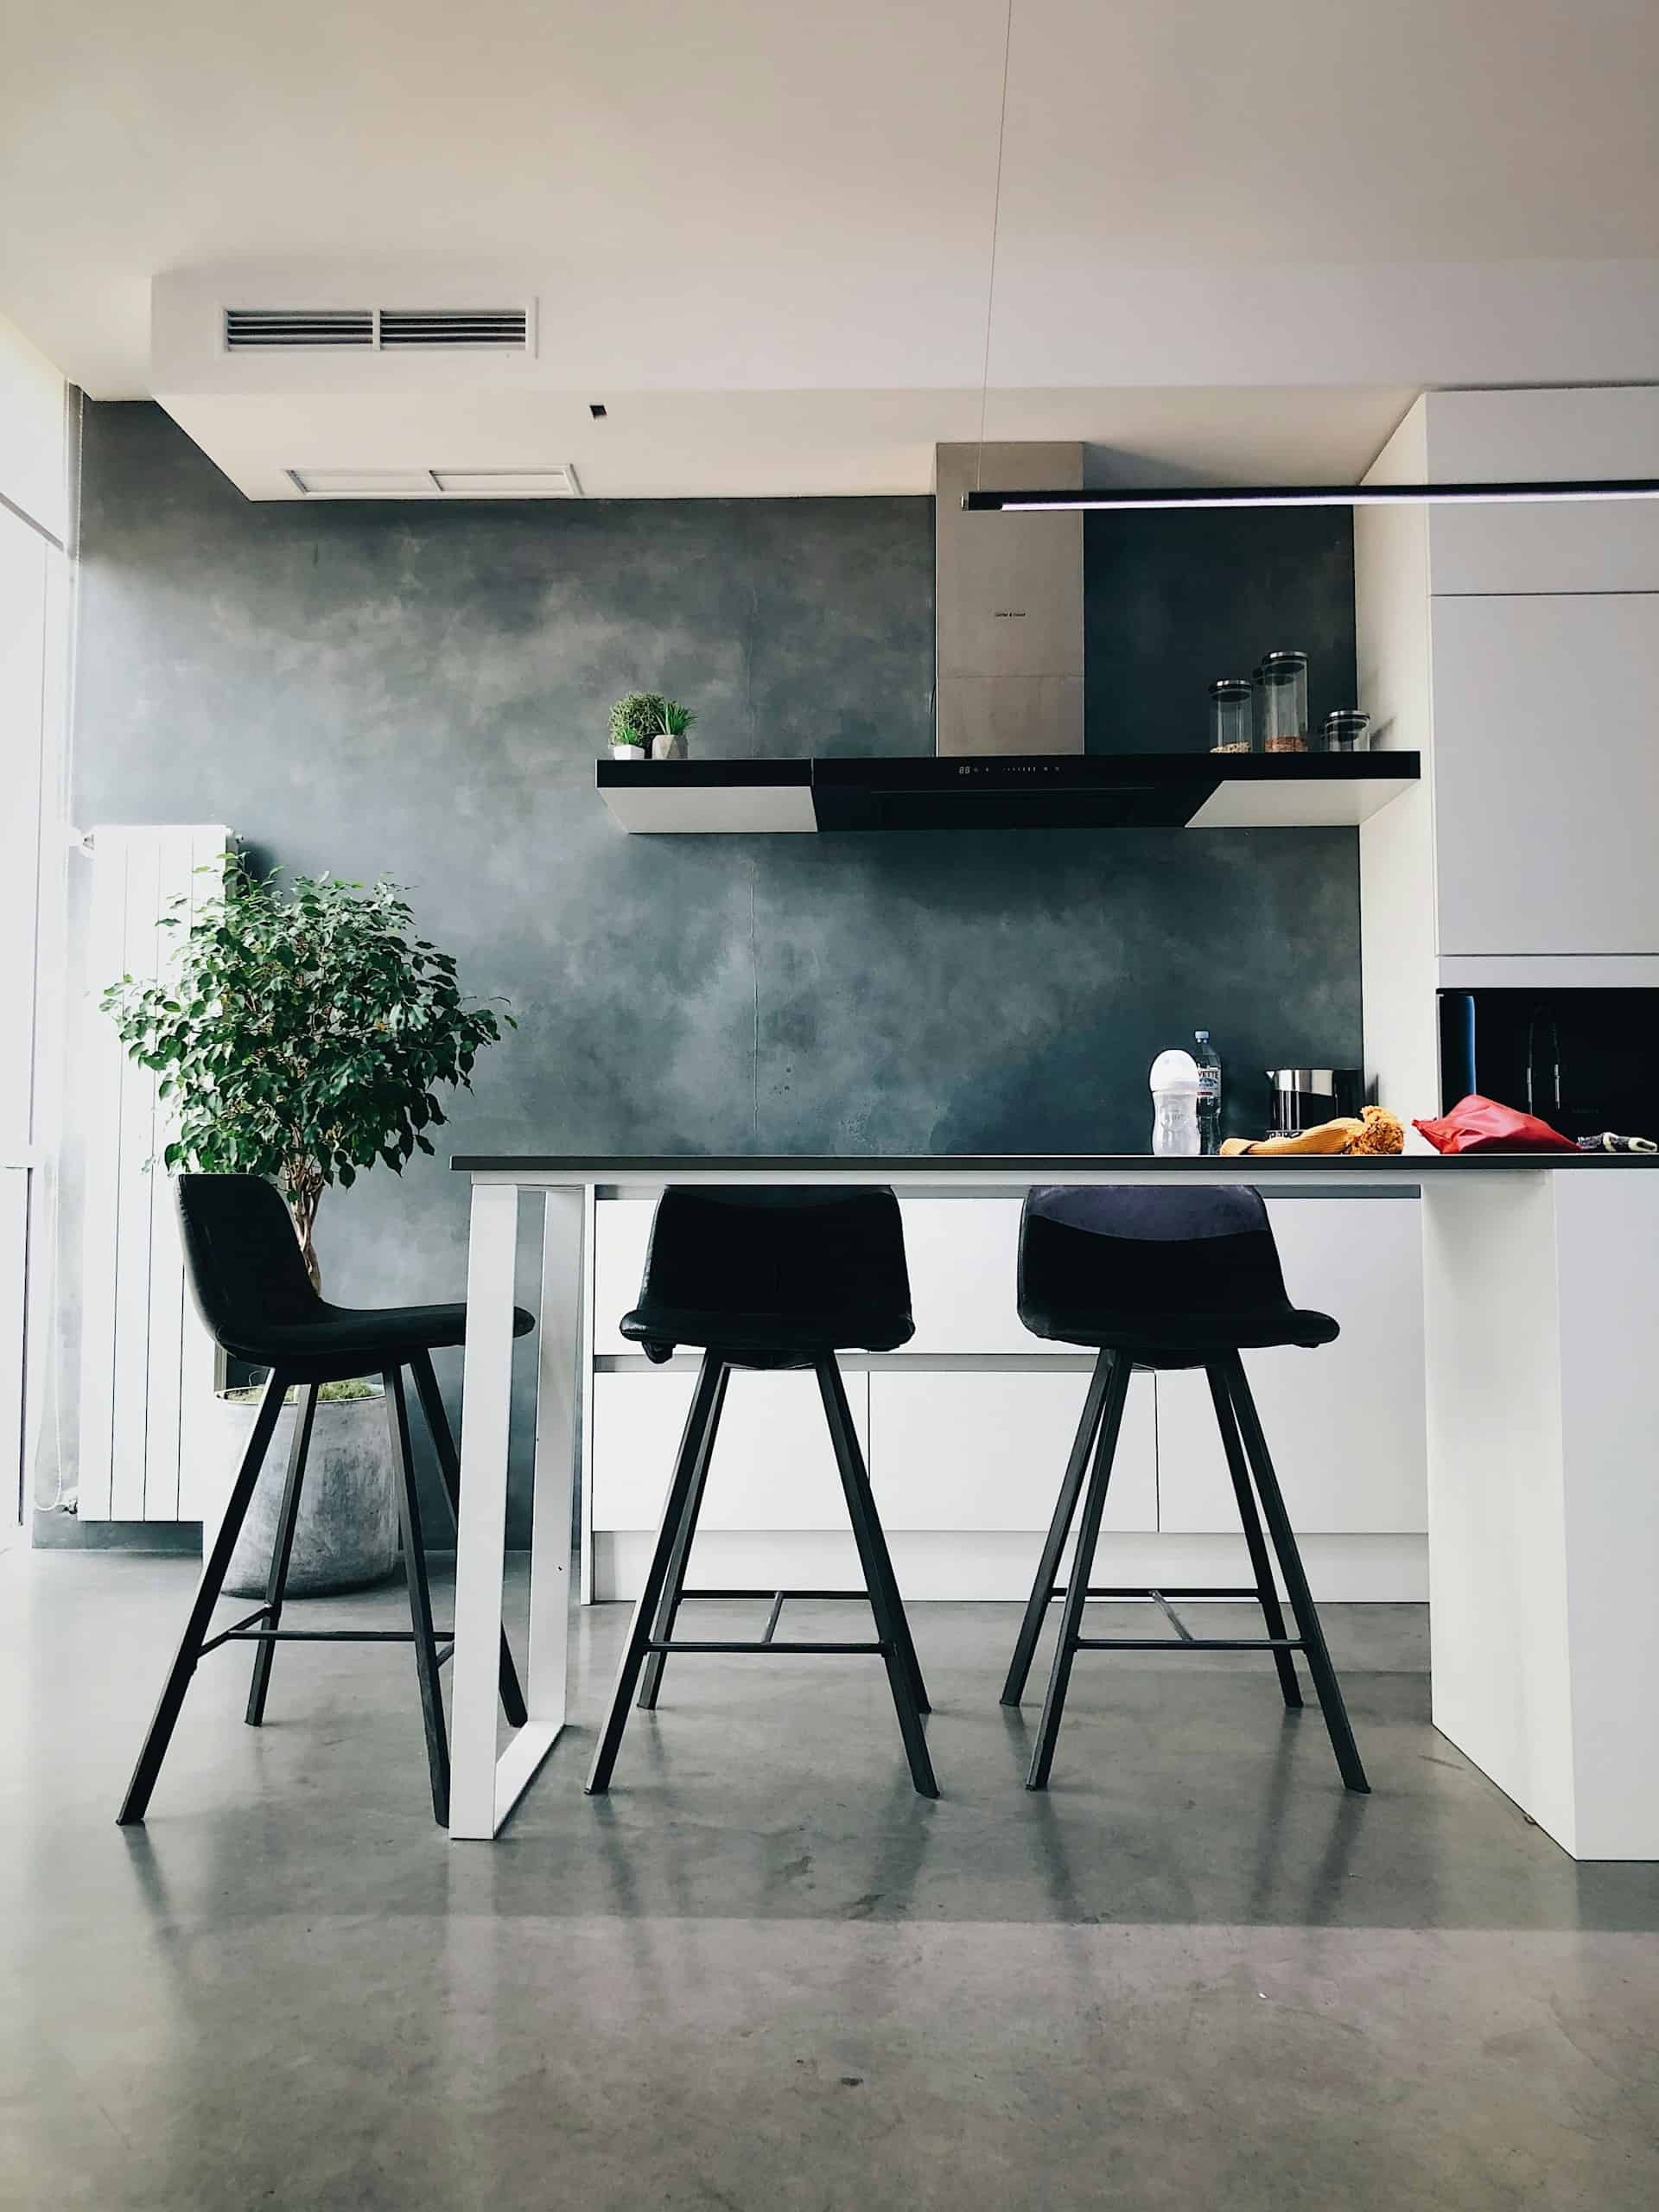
(997, 224)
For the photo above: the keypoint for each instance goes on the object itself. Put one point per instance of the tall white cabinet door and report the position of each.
(982, 1450)
(772, 1467)
(1345, 1424)
(1545, 773)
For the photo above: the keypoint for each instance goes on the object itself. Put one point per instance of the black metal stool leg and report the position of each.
(1076, 1586)
(841, 1425)
(159, 1733)
(420, 1597)
(443, 1442)
(668, 1610)
(644, 1612)
(1048, 1568)
(890, 1625)
(1290, 1565)
(282, 1551)
(1261, 1565)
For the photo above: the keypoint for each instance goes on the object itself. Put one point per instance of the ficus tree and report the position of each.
(302, 1037)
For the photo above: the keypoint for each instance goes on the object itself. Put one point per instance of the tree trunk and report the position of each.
(303, 1192)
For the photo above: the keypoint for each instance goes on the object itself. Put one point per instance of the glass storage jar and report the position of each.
(1284, 721)
(1230, 718)
(1345, 729)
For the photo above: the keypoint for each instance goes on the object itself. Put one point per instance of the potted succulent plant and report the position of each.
(305, 1037)
(636, 718)
(668, 742)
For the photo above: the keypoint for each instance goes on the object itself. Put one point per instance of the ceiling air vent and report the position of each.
(502, 328)
(247, 328)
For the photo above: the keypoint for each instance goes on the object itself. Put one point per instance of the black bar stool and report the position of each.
(769, 1279)
(250, 1285)
(1166, 1279)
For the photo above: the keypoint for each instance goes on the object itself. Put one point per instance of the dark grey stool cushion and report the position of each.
(773, 1277)
(257, 1301)
(1170, 1276)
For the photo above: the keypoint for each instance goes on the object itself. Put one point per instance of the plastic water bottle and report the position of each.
(1174, 1086)
(1208, 1060)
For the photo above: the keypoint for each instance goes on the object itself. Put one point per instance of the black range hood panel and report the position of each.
(1099, 790)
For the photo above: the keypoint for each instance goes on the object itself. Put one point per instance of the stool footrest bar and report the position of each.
(766, 1644)
(1189, 1643)
(1166, 1590)
(317, 1635)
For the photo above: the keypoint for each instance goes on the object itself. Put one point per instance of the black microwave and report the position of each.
(1582, 1060)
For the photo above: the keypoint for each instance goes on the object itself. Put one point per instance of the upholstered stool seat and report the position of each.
(769, 1279)
(773, 1278)
(1164, 1277)
(250, 1285)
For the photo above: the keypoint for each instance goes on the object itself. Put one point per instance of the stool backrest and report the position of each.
(241, 1258)
(1138, 1249)
(791, 1252)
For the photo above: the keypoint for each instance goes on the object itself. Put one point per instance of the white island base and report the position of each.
(1542, 1325)
(1542, 1328)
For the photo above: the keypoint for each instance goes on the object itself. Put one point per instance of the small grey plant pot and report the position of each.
(346, 1537)
(668, 748)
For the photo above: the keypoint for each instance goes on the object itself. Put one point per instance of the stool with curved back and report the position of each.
(248, 1279)
(1166, 1279)
(769, 1279)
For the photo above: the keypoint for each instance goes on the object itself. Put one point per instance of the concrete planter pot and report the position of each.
(347, 1534)
(668, 746)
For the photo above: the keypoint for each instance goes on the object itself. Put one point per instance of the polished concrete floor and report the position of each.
(763, 1975)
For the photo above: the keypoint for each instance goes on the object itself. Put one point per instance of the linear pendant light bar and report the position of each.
(1310, 495)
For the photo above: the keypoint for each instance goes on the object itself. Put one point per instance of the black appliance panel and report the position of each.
(1582, 1060)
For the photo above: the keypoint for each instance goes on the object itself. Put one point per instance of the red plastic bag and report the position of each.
(1478, 1124)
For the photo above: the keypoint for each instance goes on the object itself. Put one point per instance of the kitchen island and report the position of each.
(1540, 1315)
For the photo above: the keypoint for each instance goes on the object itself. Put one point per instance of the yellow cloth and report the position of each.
(1375, 1131)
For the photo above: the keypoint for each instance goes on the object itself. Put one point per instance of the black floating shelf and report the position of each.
(1089, 790)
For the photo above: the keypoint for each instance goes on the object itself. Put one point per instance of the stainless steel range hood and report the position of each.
(1009, 606)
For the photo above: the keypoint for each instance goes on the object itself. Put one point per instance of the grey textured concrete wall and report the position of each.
(423, 691)
(1173, 600)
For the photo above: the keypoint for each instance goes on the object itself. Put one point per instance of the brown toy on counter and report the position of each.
(1375, 1131)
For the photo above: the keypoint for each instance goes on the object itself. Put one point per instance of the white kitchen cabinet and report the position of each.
(963, 1256)
(986, 1449)
(1344, 1423)
(773, 1464)
(622, 1231)
(1544, 436)
(1547, 774)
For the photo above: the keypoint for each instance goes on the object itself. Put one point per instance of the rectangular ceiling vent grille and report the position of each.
(384, 329)
(248, 328)
(504, 328)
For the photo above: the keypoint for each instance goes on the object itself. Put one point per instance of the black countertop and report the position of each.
(1043, 1166)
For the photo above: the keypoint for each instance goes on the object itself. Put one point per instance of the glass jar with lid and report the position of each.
(1345, 729)
(1284, 702)
(1231, 720)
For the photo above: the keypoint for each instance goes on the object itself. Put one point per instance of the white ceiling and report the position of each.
(760, 230)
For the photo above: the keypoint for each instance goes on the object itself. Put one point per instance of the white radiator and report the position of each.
(147, 1365)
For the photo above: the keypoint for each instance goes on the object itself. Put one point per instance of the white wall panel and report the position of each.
(147, 1365)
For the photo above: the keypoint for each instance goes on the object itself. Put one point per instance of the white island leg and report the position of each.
(484, 1789)
(1542, 1312)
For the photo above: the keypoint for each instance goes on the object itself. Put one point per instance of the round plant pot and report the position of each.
(627, 753)
(346, 1537)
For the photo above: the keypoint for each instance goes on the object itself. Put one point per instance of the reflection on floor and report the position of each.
(764, 1974)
